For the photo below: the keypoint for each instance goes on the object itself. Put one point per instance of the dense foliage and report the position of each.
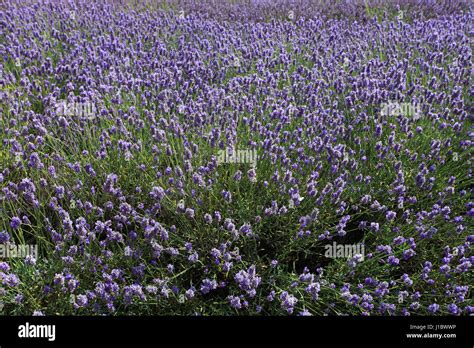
(114, 115)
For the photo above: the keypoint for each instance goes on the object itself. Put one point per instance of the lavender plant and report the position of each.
(114, 115)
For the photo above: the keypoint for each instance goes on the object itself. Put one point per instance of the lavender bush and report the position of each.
(197, 157)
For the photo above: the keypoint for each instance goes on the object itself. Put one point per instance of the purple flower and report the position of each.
(4, 237)
(208, 218)
(393, 260)
(433, 308)
(82, 301)
(313, 289)
(15, 222)
(245, 229)
(235, 302)
(288, 302)
(4, 267)
(207, 285)
(453, 309)
(252, 175)
(189, 213)
(189, 294)
(390, 215)
(194, 257)
(11, 280)
(157, 193)
(248, 280)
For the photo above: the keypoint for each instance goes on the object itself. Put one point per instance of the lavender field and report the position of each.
(244, 157)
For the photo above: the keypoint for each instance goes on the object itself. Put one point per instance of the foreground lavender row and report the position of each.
(235, 159)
